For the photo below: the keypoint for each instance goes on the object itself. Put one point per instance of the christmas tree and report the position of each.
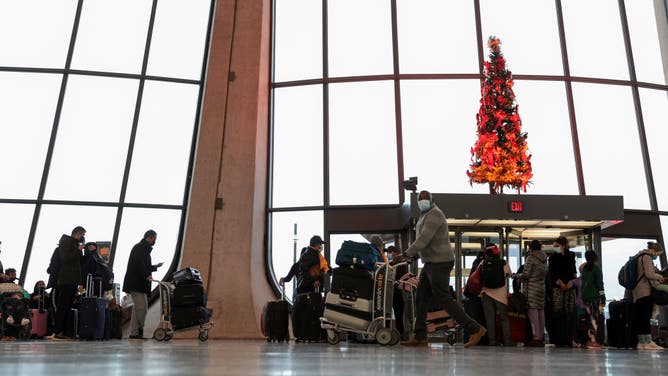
(500, 156)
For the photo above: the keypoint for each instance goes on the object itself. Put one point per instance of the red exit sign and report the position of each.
(515, 206)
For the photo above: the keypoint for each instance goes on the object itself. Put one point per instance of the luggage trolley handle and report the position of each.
(90, 285)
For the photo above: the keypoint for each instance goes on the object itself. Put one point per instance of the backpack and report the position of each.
(53, 269)
(492, 273)
(628, 274)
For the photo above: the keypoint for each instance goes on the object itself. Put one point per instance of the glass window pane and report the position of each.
(134, 224)
(424, 35)
(92, 139)
(654, 108)
(112, 36)
(298, 177)
(594, 39)
(26, 118)
(179, 35)
(645, 41)
(45, 26)
(542, 106)
(363, 147)
(163, 142)
(284, 241)
(15, 222)
(439, 129)
(614, 254)
(297, 40)
(609, 144)
(360, 37)
(509, 21)
(56, 220)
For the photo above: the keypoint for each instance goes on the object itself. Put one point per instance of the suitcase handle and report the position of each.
(348, 295)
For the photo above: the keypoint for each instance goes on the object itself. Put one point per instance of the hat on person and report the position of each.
(316, 240)
(492, 249)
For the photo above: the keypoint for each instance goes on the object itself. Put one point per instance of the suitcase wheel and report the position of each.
(203, 335)
(332, 337)
(160, 334)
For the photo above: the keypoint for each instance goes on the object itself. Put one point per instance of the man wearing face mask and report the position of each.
(312, 267)
(138, 280)
(642, 295)
(433, 245)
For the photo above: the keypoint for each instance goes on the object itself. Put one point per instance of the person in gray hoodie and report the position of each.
(433, 245)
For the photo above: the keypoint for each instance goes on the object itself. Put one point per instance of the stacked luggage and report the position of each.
(188, 299)
(183, 304)
(360, 300)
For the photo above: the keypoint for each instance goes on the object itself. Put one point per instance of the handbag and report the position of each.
(474, 283)
(659, 297)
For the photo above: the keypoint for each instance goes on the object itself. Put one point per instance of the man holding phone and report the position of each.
(138, 280)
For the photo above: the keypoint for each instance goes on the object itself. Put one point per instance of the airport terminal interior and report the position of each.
(243, 132)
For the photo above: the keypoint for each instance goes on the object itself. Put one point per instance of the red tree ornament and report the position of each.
(500, 156)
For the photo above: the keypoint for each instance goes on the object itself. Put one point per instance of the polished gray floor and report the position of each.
(187, 357)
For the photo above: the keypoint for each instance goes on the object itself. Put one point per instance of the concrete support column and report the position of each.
(225, 230)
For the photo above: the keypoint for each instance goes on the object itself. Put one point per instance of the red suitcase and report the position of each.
(38, 319)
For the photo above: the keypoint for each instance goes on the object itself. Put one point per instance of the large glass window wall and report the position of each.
(100, 106)
(390, 89)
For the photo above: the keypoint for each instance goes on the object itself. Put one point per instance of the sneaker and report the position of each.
(649, 346)
(25, 322)
(416, 342)
(535, 343)
(63, 337)
(593, 345)
(475, 337)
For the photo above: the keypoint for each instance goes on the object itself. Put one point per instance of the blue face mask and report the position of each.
(424, 205)
(654, 257)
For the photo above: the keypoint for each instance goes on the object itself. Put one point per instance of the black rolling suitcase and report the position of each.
(349, 279)
(275, 319)
(189, 295)
(306, 315)
(187, 276)
(113, 328)
(92, 312)
(621, 333)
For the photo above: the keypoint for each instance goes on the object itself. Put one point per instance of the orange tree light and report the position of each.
(500, 156)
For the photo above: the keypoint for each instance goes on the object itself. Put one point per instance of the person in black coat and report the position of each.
(138, 280)
(561, 295)
(67, 277)
(311, 272)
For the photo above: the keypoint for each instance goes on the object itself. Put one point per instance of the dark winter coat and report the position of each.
(561, 267)
(69, 256)
(309, 259)
(139, 268)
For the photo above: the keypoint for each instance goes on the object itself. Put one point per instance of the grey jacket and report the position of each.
(433, 240)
